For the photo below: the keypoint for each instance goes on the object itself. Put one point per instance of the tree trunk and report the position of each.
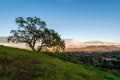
(32, 47)
(39, 48)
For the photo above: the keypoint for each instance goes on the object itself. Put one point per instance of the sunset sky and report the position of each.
(82, 20)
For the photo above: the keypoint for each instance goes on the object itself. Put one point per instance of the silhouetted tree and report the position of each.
(51, 39)
(33, 30)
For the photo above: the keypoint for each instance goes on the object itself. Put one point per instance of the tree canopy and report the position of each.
(33, 31)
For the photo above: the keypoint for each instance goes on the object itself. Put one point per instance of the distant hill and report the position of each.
(72, 45)
(77, 44)
(105, 48)
(3, 39)
(18, 64)
(98, 43)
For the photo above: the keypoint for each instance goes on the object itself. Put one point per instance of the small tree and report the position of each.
(33, 30)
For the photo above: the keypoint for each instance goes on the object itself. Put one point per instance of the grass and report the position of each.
(19, 64)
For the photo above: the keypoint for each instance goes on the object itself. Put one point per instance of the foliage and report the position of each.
(19, 64)
(33, 31)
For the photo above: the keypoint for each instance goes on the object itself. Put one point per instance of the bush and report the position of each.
(115, 72)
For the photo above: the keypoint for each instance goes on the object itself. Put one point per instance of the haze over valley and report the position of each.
(73, 45)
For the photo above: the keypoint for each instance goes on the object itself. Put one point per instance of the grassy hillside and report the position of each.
(18, 64)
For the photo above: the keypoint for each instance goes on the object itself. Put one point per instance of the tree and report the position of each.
(32, 31)
(51, 39)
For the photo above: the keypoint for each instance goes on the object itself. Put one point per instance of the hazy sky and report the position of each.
(82, 20)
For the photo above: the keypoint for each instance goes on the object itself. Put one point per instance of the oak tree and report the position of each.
(33, 31)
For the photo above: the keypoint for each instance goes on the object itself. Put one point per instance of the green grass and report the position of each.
(18, 64)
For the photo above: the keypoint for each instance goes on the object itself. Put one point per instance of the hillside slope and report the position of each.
(18, 64)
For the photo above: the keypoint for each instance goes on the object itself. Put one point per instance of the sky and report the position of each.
(82, 20)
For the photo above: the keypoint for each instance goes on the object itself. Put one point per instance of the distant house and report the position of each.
(109, 59)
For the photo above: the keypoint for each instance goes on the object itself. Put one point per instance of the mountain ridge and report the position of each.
(71, 43)
(78, 44)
